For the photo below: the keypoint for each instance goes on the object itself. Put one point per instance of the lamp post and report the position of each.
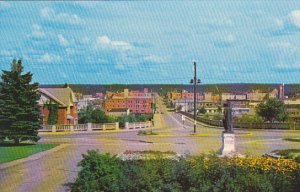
(195, 82)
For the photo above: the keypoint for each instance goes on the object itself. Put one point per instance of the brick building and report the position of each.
(137, 102)
(67, 104)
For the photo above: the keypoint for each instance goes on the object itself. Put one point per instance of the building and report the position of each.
(230, 96)
(256, 95)
(136, 102)
(66, 101)
(239, 107)
(119, 112)
(184, 95)
(293, 108)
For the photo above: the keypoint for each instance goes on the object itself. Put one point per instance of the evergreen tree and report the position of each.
(19, 110)
(53, 112)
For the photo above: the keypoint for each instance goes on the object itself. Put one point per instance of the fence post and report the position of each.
(89, 127)
(103, 127)
(126, 125)
(134, 126)
(72, 128)
(117, 125)
(53, 128)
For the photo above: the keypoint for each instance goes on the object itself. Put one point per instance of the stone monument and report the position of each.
(228, 139)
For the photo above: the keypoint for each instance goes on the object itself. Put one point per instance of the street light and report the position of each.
(195, 81)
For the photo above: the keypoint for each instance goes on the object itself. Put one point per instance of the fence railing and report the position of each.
(292, 126)
(138, 125)
(45, 128)
(93, 127)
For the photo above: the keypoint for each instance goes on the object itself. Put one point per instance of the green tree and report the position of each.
(53, 112)
(85, 114)
(272, 110)
(202, 110)
(19, 109)
(98, 116)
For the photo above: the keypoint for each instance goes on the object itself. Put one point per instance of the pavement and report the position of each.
(56, 170)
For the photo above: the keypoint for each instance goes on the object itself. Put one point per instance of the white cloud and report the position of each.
(37, 31)
(154, 58)
(85, 40)
(4, 5)
(293, 66)
(105, 42)
(48, 58)
(229, 38)
(279, 23)
(63, 41)
(70, 51)
(294, 18)
(51, 15)
(225, 40)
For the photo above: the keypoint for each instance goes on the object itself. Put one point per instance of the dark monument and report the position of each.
(227, 119)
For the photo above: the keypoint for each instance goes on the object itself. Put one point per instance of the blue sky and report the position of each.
(153, 42)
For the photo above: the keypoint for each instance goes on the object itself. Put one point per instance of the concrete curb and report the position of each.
(32, 157)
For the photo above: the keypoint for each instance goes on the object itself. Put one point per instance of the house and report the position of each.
(66, 101)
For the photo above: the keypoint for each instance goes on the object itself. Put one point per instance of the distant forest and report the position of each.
(290, 89)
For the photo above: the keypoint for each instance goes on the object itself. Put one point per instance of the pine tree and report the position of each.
(19, 110)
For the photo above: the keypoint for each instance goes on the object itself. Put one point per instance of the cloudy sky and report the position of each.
(153, 42)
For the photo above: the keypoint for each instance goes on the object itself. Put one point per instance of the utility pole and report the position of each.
(195, 108)
(195, 81)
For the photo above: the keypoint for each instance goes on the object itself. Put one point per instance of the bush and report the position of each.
(197, 173)
(250, 119)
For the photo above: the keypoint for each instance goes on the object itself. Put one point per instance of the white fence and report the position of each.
(138, 125)
(93, 127)
(79, 127)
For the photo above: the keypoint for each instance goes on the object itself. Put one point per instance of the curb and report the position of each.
(32, 157)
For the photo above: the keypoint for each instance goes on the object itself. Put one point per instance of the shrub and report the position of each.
(103, 172)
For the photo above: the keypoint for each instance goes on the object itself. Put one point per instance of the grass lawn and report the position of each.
(290, 153)
(10, 152)
(293, 139)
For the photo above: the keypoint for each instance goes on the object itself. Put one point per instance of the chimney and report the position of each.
(281, 92)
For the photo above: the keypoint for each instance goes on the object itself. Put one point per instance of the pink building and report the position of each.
(137, 102)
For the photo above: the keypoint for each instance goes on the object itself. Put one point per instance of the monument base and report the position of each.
(228, 144)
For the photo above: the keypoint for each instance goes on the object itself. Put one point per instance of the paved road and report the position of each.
(55, 171)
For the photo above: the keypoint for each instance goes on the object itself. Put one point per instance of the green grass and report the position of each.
(293, 139)
(11, 152)
(144, 133)
(290, 154)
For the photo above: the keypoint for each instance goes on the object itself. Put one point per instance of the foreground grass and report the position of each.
(11, 152)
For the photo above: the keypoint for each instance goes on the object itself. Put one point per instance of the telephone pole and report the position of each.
(195, 82)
